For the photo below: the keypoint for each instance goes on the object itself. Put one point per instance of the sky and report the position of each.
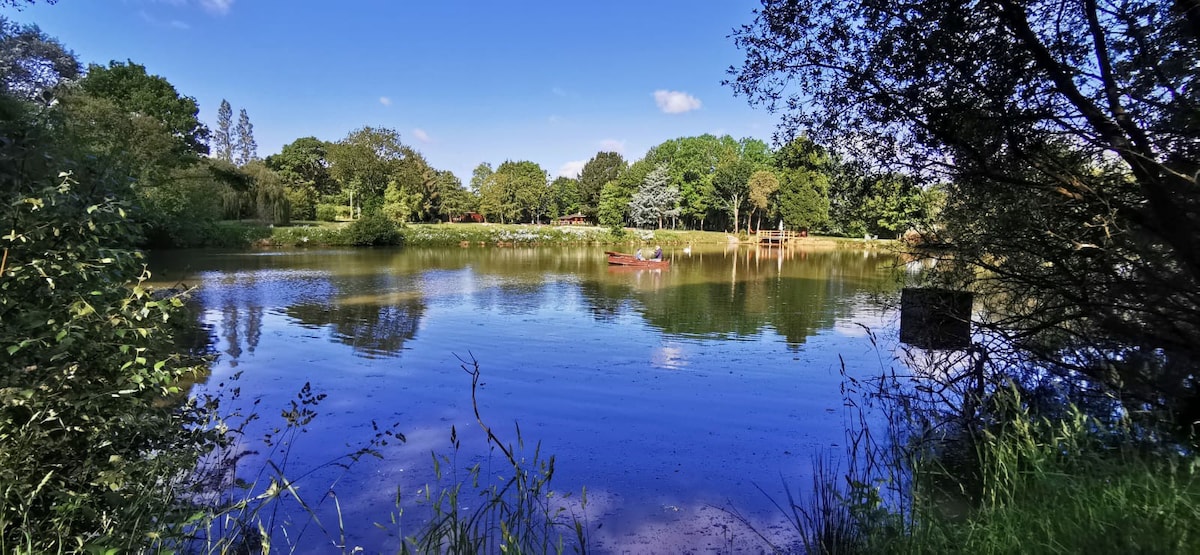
(463, 82)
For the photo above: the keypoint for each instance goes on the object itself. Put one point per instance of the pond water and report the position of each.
(674, 396)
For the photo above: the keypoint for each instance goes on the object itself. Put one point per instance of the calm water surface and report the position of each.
(668, 394)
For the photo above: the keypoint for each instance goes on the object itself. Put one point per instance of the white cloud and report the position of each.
(174, 23)
(385, 101)
(612, 145)
(675, 102)
(220, 7)
(421, 135)
(571, 169)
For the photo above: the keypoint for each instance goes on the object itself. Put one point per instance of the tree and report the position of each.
(32, 64)
(269, 193)
(655, 199)
(693, 162)
(88, 447)
(222, 140)
(365, 162)
(523, 189)
(763, 186)
(1067, 135)
(305, 161)
(412, 193)
(130, 88)
(732, 182)
(602, 168)
(566, 197)
(304, 169)
(480, 177)
(456, 199)
(247, 149)
(804, 198)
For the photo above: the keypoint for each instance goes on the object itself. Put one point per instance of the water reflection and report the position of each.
(681, 387)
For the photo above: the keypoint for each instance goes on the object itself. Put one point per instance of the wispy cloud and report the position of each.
(219, 7)
(571, 169)
(612, 145)
(385, 101)
(675, 102)
(421, 135)
(558, 91)
(173, 23)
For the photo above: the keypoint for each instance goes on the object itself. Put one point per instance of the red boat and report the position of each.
(622, 259)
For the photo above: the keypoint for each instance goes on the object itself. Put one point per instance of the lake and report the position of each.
(673, 395)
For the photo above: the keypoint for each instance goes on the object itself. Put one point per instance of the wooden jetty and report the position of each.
(776, 237)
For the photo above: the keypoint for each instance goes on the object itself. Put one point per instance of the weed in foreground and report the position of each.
(514, 509)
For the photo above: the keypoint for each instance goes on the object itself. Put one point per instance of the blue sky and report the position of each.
(463, 82)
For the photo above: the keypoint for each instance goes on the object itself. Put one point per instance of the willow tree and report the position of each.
(1068, 135)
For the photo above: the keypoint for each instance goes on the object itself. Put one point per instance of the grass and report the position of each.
(1069, 485)
(325, 234)
(1030, 484)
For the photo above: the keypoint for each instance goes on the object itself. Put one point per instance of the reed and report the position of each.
(515, 509)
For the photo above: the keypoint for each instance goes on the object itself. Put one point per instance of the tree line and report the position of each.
(187, 177)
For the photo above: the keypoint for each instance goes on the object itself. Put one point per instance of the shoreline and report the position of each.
(327, 234)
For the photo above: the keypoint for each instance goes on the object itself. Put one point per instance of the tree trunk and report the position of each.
(734, 201)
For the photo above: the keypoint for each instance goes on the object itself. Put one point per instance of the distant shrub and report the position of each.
(301, 236)
(373, 229)
(327, 212)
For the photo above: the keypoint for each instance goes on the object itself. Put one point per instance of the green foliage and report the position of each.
(614, 204)
(456, 200)
(515, 192)
(245, 147)
(366, 160)
(655, 199)
(222, 139)
(271, 199)
(1072, 200)
(373, 229)
(567, 197)
(305, 236)
(328, 212)
(304, 162)
(31, 63)
(601, 169)
(1073, 482)
(804, 199)
(89, 453)
(763, 188)
(132, 90)
(732, 182)
(183, 210)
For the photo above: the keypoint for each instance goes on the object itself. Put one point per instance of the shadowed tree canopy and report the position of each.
(130, 88)
(32, 63)
(304, 161)
(1069, 135)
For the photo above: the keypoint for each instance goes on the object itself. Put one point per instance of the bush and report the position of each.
(373, 229)
(89, 452)
(327, 212)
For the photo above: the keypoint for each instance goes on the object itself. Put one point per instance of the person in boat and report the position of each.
(657, 253)
(639, 255)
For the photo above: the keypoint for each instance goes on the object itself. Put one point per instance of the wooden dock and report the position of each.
(775, 237)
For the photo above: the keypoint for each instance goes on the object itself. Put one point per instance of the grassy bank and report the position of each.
(1025, 484)
(329, 234)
